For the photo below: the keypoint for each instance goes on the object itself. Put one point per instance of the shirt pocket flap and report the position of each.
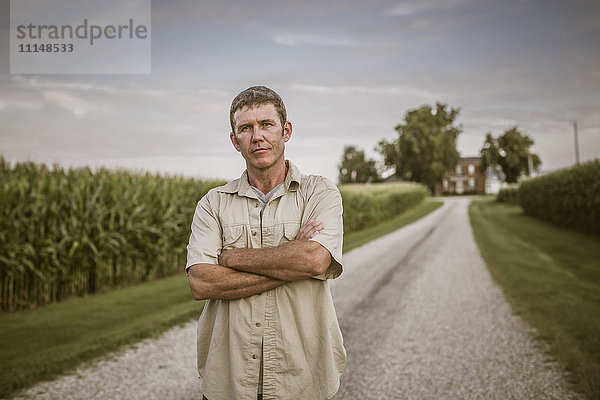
(232, 235)
(290, 230)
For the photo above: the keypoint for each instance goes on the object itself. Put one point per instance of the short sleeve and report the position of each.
(206, 239)
(325, 205)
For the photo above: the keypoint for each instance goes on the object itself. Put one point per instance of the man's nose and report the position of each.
(257, 134)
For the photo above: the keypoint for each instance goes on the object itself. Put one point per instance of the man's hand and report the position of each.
(309, 230)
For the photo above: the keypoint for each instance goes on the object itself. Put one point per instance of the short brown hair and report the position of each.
(256, 96)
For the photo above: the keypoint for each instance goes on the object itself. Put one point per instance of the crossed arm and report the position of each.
(246, 272)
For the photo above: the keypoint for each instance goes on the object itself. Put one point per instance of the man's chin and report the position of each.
(262, 163)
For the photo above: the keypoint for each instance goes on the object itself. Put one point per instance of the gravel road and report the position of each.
(421, 319)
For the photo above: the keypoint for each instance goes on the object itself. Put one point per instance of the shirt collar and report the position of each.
(292, 178)
(243, 188)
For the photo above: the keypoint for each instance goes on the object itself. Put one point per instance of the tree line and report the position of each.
(425, 148)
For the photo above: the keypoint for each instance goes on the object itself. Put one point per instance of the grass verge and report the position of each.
(551, 277)
(43, 343)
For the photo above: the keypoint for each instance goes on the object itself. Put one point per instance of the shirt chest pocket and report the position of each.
(290, 231)
(235, 237)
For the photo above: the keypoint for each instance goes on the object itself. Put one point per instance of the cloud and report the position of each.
(408, 8)
(442, 15)
(235, 12)
(69, 102)
(38, 83)
(292, 39)
(405, 91)
(81, 97)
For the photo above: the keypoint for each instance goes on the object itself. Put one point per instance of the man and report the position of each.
(261, 250)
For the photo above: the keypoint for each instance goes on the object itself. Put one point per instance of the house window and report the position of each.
(458, 169)
(445, 184)
(471, 183)
(471, 169)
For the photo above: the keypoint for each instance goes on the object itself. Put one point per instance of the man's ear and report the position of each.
(287, 131)
(234, 141)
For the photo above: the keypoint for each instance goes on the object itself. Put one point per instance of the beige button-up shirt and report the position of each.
(294, 324)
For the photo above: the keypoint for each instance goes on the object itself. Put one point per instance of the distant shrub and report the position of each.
(570, 197)
(367, 205)
(508, 195)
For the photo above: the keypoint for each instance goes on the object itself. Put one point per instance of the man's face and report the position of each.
(259, 135)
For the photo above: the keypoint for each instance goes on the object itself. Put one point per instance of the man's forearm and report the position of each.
(209, 281)
(289, 262)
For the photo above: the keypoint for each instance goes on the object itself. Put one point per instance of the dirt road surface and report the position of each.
(422, 319)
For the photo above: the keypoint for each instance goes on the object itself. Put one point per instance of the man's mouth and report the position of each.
(259, 150)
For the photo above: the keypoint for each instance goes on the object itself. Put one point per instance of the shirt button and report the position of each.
(258, 324)
(253, 233)
(254, 356)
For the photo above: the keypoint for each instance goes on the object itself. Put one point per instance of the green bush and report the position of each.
(508, 195)
(367, 205)
(570, 197)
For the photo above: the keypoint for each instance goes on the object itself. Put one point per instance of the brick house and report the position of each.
(465, 177)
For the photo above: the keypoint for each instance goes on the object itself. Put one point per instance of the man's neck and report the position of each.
(266, 180)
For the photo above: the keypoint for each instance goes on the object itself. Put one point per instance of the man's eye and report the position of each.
(244, 128)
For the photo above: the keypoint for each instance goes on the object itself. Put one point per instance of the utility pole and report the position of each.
(576, 143)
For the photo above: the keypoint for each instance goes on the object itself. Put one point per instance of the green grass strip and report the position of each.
(551, 277)
(43, 343)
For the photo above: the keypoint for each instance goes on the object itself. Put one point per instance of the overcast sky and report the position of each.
(347, 70)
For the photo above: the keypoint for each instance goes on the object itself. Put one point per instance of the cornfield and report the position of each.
(569, 197)
(72, 232)
(369, 204)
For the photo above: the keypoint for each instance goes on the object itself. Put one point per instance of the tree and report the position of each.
(511, 152)
(426, 145)
(490, 155)
(354, 167)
